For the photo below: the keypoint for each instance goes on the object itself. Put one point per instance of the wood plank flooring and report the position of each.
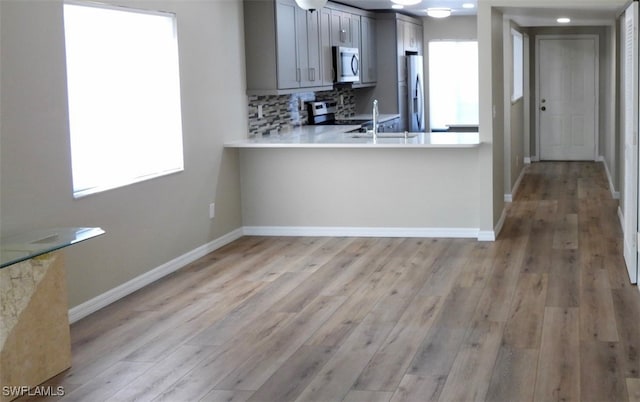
(545, 313)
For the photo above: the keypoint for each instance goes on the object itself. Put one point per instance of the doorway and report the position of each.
(567, 97)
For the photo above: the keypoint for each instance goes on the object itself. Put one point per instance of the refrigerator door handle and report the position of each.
(420, 96)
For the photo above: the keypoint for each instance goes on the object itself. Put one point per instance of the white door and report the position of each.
(630, 125)
(567, 69)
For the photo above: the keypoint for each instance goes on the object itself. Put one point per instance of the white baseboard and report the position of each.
(487, 235)
(615, 194)
(340, 231)
(516, 185)
(78, 312)
(527, 160)
(621, 218)
(499, 225)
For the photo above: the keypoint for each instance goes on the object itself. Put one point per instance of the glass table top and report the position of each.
(22, 247)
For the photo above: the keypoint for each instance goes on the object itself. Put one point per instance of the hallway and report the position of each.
(544, 313)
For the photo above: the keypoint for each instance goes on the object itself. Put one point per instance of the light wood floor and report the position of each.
(545, 313)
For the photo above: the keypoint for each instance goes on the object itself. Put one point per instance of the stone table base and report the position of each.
(34, 326)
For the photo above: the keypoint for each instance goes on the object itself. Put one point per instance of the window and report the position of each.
(518, 66)
(453, 84)
(124, 96)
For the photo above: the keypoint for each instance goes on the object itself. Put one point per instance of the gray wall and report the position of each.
(371, 188)
(514, 123)
(147, 224)
(497, 79)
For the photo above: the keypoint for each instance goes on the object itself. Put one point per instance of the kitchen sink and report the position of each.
(385, 135)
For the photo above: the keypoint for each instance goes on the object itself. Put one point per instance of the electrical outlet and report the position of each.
(212, 210)
(260, 114)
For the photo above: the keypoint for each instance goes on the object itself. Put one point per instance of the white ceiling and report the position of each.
(595, 14)
(530, 17)
(418, 9)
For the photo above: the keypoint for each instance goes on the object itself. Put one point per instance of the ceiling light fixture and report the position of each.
(468, 5)
(397, 6)
(438, 12)
(406, 2)
(564, 20)
(311, 5)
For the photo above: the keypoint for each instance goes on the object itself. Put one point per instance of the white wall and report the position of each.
(148, 223)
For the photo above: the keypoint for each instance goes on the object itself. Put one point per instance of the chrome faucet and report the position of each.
(375, 119)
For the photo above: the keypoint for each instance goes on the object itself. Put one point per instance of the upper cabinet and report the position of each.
(368, 50)
(282, 47)
(288, 49)
(412, 37)
(341, 29)
(326, 52)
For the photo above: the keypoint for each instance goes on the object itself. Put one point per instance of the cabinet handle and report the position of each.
(297, 75)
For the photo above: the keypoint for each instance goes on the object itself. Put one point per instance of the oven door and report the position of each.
(347, 64)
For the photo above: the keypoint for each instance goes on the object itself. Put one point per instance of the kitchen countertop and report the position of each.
(340, 137)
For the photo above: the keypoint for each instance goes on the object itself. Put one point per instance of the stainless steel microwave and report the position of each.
(347, 64)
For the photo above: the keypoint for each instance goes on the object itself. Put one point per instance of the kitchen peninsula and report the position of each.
(319, 181)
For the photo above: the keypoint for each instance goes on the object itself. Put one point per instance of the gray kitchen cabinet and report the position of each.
(326, 50)
(368, 50)
(290, 50)
(287, 49)
(341, 28)
(308, 41)
(412, 37)
(282, 48)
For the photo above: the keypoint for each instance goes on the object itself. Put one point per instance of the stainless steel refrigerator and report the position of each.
(415, 83)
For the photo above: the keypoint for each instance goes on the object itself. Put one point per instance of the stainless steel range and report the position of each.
(324, 113)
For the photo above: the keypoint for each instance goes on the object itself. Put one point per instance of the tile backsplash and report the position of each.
(283, 111)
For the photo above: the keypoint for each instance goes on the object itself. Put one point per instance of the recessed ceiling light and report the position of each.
(406, 2)
(468, 5)
(397, 6)
(564, 20)
(438, 12)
